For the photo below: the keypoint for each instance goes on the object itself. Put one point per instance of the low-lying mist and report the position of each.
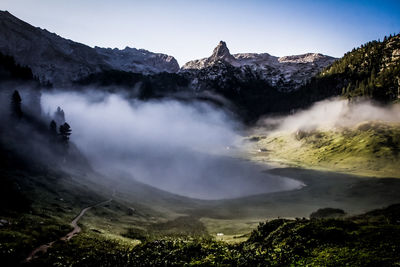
(333, 113)
(175, 146)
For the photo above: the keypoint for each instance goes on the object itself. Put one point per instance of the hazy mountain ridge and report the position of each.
(286, 73)
(57, 60)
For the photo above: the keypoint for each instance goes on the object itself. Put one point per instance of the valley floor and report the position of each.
(147, 226)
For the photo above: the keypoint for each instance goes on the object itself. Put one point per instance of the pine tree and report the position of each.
(59, 116)
(65, 132)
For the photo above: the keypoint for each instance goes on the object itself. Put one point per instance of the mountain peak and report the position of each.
(221, 52)
(221, 47)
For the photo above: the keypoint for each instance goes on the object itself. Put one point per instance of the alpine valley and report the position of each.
(113, 157)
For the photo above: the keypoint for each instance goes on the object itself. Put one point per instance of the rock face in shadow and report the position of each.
(57, 60)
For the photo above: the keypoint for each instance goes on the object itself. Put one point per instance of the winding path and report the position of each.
(75, 231)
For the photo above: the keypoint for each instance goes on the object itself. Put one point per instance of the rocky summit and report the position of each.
(286, 73)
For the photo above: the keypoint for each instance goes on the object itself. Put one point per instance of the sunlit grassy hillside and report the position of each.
(369, 148)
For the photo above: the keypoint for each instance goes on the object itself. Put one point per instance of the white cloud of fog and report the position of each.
(168, 144)
(334, 113)
(120, 125)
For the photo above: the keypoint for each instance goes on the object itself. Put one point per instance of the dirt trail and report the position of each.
(75, 231)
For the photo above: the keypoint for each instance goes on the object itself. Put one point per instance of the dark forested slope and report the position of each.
(371, 71)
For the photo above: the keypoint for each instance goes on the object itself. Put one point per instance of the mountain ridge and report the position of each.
(288, 72)
(58, 60)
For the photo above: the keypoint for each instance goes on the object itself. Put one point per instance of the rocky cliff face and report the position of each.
(58, 60)
(286, 73)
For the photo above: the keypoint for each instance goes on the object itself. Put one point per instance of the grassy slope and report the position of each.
(39, 202)
(370, 148)
(370, 239)
(159, 215)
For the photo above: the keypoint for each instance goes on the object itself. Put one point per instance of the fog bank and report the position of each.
(175, 146)
(329, 114)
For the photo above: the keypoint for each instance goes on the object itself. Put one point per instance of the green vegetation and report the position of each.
(21, 234)
(282, 242)
(370, 148)
(110, 233)
(166, 224)
(372, 71)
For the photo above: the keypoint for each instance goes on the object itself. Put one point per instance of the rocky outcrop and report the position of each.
(220, 54)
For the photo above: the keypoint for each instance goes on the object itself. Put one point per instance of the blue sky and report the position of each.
(191, 29)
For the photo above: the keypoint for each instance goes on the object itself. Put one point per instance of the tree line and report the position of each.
(59, 135)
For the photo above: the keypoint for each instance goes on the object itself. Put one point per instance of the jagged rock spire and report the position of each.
(221, 52)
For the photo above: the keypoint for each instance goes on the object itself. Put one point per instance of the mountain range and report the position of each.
(251, 84)
(287, 73)
(56, 60)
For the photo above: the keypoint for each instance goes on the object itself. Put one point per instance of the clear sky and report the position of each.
(189, 29)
